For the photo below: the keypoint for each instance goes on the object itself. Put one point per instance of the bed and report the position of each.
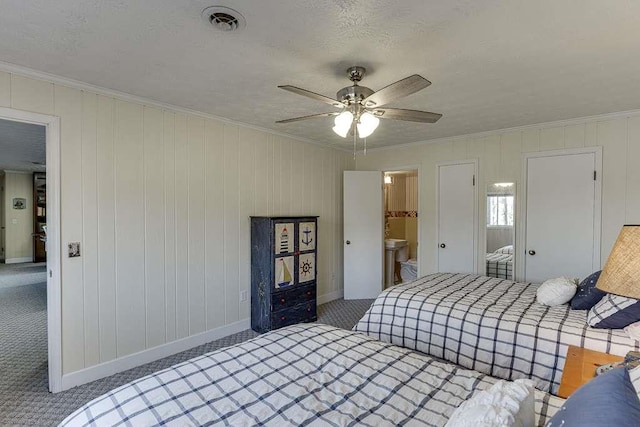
(500, 263)
(307, 374)
(491, 325)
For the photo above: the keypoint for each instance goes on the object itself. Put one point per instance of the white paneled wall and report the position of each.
(161, 201)
(500, 160)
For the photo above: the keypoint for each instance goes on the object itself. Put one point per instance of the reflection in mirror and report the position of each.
(500, 229)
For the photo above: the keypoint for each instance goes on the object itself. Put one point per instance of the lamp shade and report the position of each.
(343, 122)
(621, 274)
(367, 124)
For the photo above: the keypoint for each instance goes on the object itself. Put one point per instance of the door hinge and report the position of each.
(50, 273)
(474, 180)
(594, 175)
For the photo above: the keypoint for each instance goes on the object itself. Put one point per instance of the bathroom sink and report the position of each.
(394, 243)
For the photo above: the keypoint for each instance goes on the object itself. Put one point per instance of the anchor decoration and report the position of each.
(307, 236)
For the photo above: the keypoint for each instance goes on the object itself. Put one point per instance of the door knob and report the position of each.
(348, 242)
(532, 252)
(442, 245)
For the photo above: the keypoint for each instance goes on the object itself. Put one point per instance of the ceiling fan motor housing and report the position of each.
(353, 94)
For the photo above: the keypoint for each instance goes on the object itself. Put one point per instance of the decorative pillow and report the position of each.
(614, 312)
(508, 250)
(607, 400)
(633, 330)
(556, 291)
(588, 295)
(503, 404)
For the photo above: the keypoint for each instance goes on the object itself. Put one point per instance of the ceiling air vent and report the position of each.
(223, 18)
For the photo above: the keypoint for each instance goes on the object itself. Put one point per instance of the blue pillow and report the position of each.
(587, 295)
(607, 400)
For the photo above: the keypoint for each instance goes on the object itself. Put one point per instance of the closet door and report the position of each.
(457, 224)
(562, 216)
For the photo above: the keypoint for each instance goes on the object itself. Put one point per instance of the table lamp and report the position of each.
(621, 273)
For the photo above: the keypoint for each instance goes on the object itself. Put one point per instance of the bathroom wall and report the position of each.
(401, 211)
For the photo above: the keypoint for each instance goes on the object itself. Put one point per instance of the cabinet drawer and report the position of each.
(291, 297)
(299, 313)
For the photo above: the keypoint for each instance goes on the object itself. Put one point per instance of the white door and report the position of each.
(561, 217)
(363, 234)
(457, 230)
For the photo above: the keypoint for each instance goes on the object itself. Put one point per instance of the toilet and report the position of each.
(409, 270)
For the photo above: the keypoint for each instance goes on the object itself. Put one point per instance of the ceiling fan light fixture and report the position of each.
(367, 124)
(343, 123)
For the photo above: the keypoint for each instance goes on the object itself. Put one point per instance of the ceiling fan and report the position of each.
(361, 106)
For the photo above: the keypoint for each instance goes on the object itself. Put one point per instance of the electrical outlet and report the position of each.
(74, 249)
(244, 295)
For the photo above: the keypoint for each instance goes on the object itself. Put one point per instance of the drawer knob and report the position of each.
(309, 309)
(283, 318)
(283, 300)
(309, 293)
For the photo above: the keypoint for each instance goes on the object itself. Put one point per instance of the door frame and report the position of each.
(407, 168)
(474, 162)
(522, 204)
(54, 306)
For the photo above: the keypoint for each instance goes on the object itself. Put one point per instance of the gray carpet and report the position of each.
(24, 399)
(12, 275)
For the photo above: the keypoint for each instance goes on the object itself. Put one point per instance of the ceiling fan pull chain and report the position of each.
(365, 146)
(354, 146)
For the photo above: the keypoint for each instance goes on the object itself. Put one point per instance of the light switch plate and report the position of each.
(74, 249)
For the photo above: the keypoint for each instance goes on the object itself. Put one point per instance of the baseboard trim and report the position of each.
(331, 296)
(121, 364)
(18, 260)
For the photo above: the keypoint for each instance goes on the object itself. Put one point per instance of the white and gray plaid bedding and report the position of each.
(306, 374)
(491, 325)
(499, 265)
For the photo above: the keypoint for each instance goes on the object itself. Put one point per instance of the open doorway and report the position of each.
(23, 268)
(30, 316)
(401, 226)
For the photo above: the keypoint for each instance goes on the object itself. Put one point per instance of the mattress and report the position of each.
(307, 374)
(491, 325)
(499, 265)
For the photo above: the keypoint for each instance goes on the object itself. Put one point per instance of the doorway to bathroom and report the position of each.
(401, 226)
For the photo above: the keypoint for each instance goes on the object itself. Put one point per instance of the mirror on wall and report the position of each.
(501, 206)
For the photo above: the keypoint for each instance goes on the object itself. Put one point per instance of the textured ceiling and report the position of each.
(21, 144)
(494, 64)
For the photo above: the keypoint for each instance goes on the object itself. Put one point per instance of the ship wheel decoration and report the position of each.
(306, 267)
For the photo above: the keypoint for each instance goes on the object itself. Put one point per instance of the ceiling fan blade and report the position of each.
(313, 95)
(406, 115)
(399, 89)
(313, 116)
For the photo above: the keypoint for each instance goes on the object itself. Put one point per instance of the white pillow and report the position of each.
(633, 330)
(556, 291)
(504, 404)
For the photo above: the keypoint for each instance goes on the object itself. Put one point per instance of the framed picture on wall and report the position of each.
(19, 203)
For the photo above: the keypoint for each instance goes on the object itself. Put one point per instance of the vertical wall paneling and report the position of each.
(633, 172)
(160, 201)
(252, 162)
(5, 89)
(90, 228)
(182, 226)
(154, 226)
(197, 315)
(68, 106)
(214, 225)
(106, 219)
(34, 95)
(130, 243)
(619, 137)
(169, 210)
(231, 221)
(612, 135)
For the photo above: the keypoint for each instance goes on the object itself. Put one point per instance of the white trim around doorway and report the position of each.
(54, 306)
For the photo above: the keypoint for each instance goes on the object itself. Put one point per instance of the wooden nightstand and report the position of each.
(580, 367)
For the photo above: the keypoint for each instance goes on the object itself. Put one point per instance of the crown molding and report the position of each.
(8, 67)
(557, 123)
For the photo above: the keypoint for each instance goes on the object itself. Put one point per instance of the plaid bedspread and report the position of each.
(306, 374)
(499, 265)
(490, 325)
